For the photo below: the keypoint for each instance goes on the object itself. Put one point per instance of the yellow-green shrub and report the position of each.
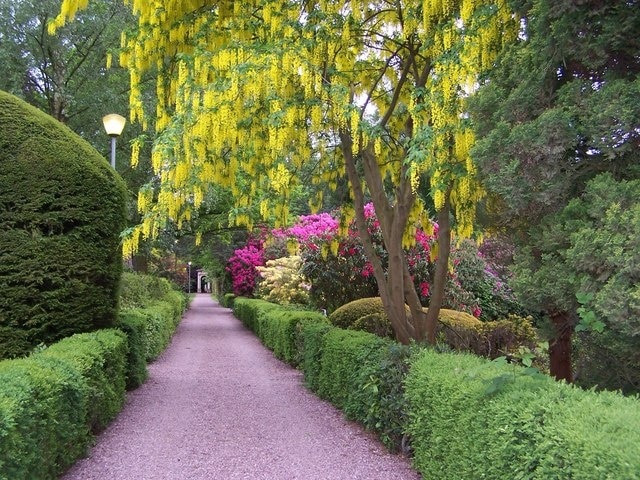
(282, 281)
(456, 319)
(376, 323)
(346, 315)
(151, 309)
(459, 330)
(464, 332)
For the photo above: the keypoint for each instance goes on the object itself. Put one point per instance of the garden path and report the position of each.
(219, 405)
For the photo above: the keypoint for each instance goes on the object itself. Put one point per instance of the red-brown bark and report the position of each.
(560, 347)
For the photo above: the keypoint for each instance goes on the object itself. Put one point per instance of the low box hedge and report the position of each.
(150, 320)
(227, 300)
(344, 353)
(470, 418)
(134, 325)
(277, 327)
(101, 359)
(51, 401)
(357, 371)
(465, 417)
(360, 373)
(312, 346)
(248, 311)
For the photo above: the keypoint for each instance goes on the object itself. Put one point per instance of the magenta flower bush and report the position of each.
(242, 267)
(309, 228)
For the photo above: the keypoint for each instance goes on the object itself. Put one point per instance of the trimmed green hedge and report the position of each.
(278, 327)
(153, 311)
(62, 208)
(139, 290)
(101, 359)
(51, 401)
(360, 373)
(227, 300)
(312, 346)
(466, 417)
(357, 371)
(134, 325)
(470, 419)
(344, 352)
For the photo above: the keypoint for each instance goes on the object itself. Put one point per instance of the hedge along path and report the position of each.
(217, 404)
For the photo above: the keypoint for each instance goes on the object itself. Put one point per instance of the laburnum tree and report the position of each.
(371, 91)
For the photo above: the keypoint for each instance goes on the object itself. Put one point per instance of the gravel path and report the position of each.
(218, 405)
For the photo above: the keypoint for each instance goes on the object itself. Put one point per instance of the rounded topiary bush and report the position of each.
(376, 323)
(62, 208)
(346, 315)
(459, 330)
(463, 332)
(368, 314)
(458, 319)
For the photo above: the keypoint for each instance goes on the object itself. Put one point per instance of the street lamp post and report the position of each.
(189, 279)
(113, 125)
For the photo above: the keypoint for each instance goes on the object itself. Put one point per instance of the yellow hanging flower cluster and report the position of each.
(251, 91)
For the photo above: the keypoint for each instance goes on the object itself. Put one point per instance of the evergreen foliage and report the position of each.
(227, 300)
(478, 276)
(134, 325)
(590, 251)
(561, 108)
(62, 209)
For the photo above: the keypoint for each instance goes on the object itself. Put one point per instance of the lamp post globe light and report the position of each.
(189, 278)
(113, 125)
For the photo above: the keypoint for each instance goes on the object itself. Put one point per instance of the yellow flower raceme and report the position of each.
(254, 90)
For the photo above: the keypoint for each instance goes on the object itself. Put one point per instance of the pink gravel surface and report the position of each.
(219, 405)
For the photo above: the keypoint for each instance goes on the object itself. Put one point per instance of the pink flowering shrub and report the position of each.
(242, 267)
(337, 279)
(311, 227)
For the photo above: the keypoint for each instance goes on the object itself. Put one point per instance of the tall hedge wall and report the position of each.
(62, 208)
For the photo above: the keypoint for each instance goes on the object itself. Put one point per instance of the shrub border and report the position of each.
(53, 402)
(466, 417)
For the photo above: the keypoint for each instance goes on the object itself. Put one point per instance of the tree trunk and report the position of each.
(442, 269)
(392, 283)
(140, 263)
(560, 347)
